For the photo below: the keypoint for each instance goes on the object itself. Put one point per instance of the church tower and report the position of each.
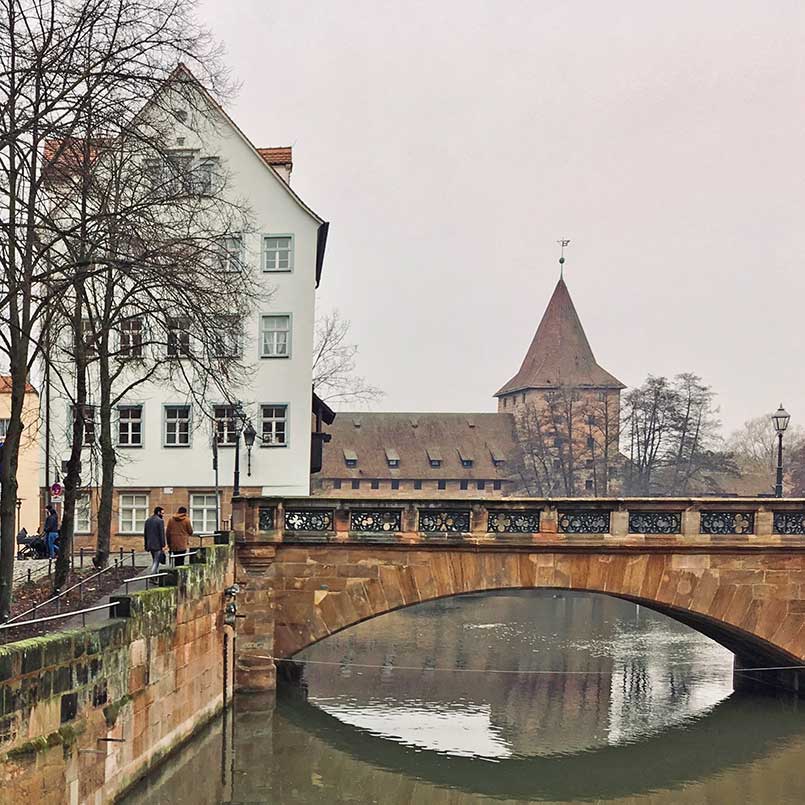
(566, 406)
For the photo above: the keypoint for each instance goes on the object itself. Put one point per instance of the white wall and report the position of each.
(279, 470)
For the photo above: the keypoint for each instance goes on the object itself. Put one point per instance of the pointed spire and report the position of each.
(560, 354)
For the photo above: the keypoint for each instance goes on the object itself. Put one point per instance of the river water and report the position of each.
(515, 697)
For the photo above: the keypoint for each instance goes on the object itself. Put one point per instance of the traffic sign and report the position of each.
(56, 490)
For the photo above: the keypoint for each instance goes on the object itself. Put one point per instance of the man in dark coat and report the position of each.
(154, 533)
(51, 531)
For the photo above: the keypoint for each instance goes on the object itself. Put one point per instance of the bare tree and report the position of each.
(70, 74)
(334, 362)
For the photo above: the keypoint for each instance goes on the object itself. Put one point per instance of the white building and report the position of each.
(164, 440)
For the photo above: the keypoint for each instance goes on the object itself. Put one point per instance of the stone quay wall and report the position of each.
(86, 712)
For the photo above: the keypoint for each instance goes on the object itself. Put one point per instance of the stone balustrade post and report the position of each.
(691, 522)
(549, 519)
(619, 522)
(764, 522)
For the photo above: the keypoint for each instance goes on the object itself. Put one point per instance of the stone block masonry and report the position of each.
(85, 713)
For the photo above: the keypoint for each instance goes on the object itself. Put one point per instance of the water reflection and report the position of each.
(393, 712)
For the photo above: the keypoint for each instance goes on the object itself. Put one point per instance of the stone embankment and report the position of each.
(86, 712)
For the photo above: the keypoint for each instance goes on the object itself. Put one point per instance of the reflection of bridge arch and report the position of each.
(321, 589)
(735, 732)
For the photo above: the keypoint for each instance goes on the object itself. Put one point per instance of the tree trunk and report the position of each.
(8, 494)
(108, 462)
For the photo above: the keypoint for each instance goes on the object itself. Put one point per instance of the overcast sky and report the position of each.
(450, 144)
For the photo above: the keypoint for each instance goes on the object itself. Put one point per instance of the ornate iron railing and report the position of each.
(446, 521)
(727, 522)
(513, 522)
(655, 522)
(789, 523)
(308, 520)
(373, 521)
(584, 522)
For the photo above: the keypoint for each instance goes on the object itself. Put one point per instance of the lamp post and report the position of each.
(249, 435)
(238, 416)
(780, 419)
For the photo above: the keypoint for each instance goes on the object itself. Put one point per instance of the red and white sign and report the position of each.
(55, 490)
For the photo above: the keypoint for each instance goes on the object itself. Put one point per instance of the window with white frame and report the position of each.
(88, 336)
(177, 426)
(226, 338)
(278, 252)
(131, 338)
(275, 336)
(274, 420)
(133, 512)
(178, 336)
(225, 424)
(4, 428)
(83, 514)
(230, 253)
(130, 425)
(202, 512)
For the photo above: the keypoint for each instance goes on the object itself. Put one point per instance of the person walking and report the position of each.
(154, 533)
(178, 530)
(51, 531)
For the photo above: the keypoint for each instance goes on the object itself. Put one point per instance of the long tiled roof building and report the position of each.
(484, 454)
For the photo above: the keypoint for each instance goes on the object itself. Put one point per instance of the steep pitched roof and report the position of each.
(5, 386)
(277, 156)
(560, 354)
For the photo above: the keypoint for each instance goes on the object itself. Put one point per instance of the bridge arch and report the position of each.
(322, 589)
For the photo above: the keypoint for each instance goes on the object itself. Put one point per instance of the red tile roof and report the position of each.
(5, 386)
(560, 354)
(277, 156)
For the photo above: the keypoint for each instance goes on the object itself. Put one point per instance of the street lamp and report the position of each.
(238, 417)
(780, 419)
(249, 435)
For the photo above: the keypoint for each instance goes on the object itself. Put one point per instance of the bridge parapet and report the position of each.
(611, 522)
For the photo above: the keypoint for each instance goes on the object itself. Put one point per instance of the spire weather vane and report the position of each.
(562, 242)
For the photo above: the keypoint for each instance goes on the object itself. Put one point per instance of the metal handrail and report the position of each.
(56, 597)
(145, 578)
(186, 553)
(81, 612)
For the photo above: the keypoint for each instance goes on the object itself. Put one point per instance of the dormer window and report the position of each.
(434, 458)
(350, 459)
(465, 458)
(435, 463)
(392, 458)
(498, 459)
(466, 463)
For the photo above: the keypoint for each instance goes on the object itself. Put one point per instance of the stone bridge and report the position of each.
(732, 568)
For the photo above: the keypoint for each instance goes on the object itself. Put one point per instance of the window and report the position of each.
(588, 484)
(558, 441)
(392, 458)
(557, 464)
(202, 512)
(225, 424)
(442, 484)
(591, 419)
(434, 457)
(356, 484)
(88, 337)
(435, 463)
(496, 485)
(178, 337)
(275, 336)
(602, 396)
(350, 458)
(337, 483)
(83, 514)
(498, 462)
(417, 484)
(130, 425)
(590, 442)
(462, 483)
(226, 339)
(394, 463)
(395, 484)
(133, 513)
(230, 253)
(588, 463)
(274, 420)
(278, 253)
(131, 338)
(375, 484)
(4, 428)
(466, 463)
(88, 415)
(177, 426)
(206, 175)
(523, 398)
(481, 485)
